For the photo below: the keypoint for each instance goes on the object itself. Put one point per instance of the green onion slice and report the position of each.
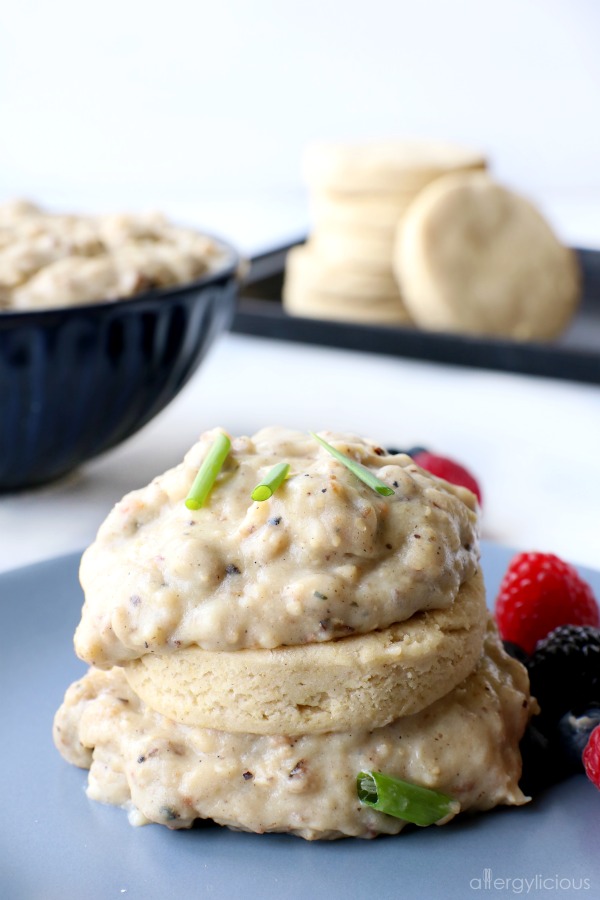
(357, 469)
(267, 487)
(404, 800)
(208, 471)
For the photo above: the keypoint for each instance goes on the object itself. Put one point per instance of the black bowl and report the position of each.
(75, 381)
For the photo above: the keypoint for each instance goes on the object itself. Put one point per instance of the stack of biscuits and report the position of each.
(420, 234)
(249, 659)
(358, 195)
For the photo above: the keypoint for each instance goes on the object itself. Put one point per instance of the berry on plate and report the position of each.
(552, 752)
(447, 469)
(564, 671)
(574, 733)
(538, 593)
(591, 757)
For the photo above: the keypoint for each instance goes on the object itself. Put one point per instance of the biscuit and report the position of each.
(356, 247)
(359, 194)
(471, 256)
(384, 166)
(326, 286)
(299, 300)
(359, 210)
(307, 268)
(362, 681)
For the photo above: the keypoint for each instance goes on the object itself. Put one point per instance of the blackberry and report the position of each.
(564, 672)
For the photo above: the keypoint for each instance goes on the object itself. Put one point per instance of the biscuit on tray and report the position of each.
(474, 257)
(319, 287)
(358, 194)
(384, 167)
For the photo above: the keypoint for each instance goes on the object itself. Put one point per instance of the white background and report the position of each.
(204, 108)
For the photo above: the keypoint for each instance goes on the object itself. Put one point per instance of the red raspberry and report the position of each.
(538, 593)
(449, 470)
(591, 757)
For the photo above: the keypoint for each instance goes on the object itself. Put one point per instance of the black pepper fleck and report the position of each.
(275, 520)
(232, 569)
(395, 483)
(247, 776)
(141, 759)
(320, 596)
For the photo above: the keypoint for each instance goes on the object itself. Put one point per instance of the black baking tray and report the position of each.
(575, 356)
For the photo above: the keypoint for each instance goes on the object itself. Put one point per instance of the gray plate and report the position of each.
(55, 843)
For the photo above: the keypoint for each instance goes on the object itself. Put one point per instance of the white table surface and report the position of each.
(532, 443)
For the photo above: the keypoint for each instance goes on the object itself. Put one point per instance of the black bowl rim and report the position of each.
(230, 268)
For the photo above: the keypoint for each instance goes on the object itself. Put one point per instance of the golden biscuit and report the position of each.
(302, 301)
(471, 256)
(384, 166)
(306, 269)
(315, 287)
(359, 210)
(362, 248)
(362, 681)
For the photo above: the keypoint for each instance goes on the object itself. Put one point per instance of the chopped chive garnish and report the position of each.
(208, 471)
(357, 469)
(269, 485)
(404, 800)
